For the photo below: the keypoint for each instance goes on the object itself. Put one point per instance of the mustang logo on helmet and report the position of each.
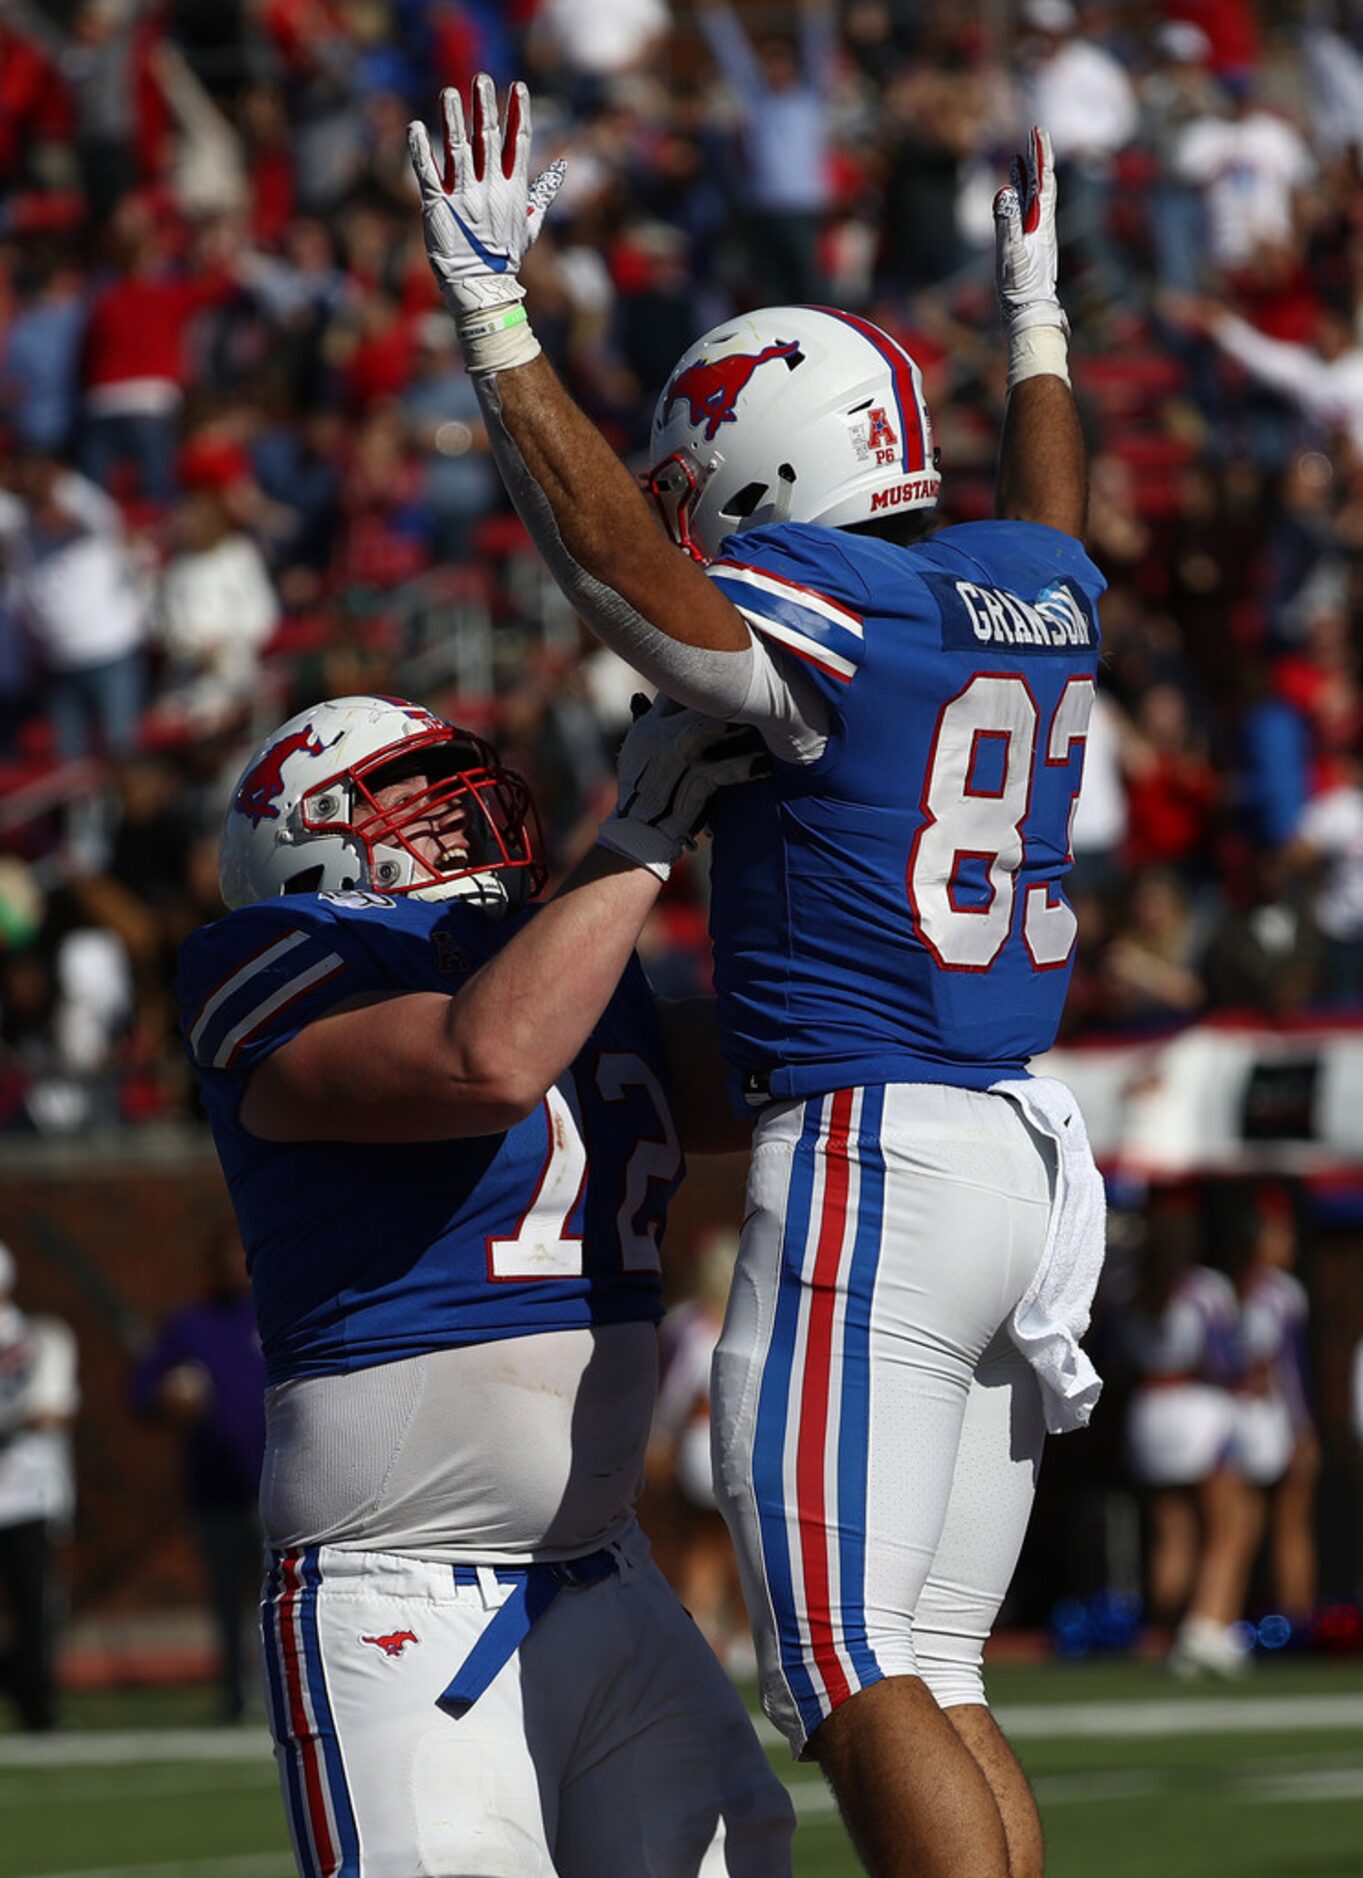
(711, 386)
(260, 787)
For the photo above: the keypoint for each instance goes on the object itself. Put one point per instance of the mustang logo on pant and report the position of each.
(394, 1643)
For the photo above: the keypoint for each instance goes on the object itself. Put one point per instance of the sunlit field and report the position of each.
(1134, 1774)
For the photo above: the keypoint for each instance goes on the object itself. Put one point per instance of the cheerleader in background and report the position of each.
(1178, 1339)
(1276, 1447)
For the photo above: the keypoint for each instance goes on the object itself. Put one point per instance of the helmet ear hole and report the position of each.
(307, 880)
(743, 501)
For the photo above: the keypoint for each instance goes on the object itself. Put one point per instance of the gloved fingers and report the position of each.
(487, 131)
(458, 155)
(742, 766)
(423, 162)
(542, 192)
(516, 136)
(1041, 179)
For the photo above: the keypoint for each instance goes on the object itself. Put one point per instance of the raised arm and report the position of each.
(602, 543)
(1043, 473)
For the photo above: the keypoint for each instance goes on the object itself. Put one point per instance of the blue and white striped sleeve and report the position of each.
(255, 979)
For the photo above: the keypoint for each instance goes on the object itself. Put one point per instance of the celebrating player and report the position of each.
(450, 1131)
(892, 944)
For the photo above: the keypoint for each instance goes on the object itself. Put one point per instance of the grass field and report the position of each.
(1135, 1775)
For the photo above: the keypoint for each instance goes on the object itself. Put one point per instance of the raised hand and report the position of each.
(1026, 251)
(671, 763)
(483, 213)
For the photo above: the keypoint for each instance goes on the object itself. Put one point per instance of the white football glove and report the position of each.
(482, 216)
(1026, 252)
(670, 764)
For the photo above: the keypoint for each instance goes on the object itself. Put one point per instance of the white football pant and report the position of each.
(877, 1436)
(610, 1745)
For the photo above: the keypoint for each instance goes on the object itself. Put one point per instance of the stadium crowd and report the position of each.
(242, 467)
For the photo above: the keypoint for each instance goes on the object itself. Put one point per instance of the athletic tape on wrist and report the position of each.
(496, 339)
(628, 840)
(1039, 351)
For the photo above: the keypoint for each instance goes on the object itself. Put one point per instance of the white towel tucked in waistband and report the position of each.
(1053, 1313)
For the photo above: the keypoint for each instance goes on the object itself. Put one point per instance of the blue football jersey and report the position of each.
(364, 1254)
(894, 911)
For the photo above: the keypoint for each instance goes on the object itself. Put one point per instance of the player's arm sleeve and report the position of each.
(255, 979)
(716, 682)
(747, 686)
(806, 605)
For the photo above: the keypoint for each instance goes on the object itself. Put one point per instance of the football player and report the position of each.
(892, 944)
(450, 1131)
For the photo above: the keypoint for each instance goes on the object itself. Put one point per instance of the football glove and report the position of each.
(1026, 252)
(481, 216)
(670, 764)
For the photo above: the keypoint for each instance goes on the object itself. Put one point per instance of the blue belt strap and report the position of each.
(534, 1588)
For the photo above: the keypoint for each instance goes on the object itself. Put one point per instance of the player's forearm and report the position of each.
(1043, 469)
(639, 594)
(424, 1067)
(1043, 476)
(522, 1019)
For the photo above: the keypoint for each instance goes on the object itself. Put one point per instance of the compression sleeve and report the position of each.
(753, 686)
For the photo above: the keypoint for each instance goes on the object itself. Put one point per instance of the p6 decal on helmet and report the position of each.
(377, 796)
(839, 433)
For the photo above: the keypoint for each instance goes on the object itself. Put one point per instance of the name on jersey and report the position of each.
(972, 616)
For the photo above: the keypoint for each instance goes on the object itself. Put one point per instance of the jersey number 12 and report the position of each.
(542, 1246)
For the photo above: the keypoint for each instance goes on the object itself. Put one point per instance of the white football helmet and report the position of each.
(291, 826)
(790, 414)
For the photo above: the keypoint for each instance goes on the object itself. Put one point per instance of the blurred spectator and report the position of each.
(604, 40)
(1172, 789)
(135, 359)
(1176, 92)
(106, 61)
(39, 365)
(935, 125)
(1324, 380)
(1249, 165)
(783, 92)
(1082, 95)
(83, 602)
(66, 999)
(218, 611)
(1150, 966)
(38, 1403)
(441, 408)
(1328, 844)
(1098, 827)
(205, 1376)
